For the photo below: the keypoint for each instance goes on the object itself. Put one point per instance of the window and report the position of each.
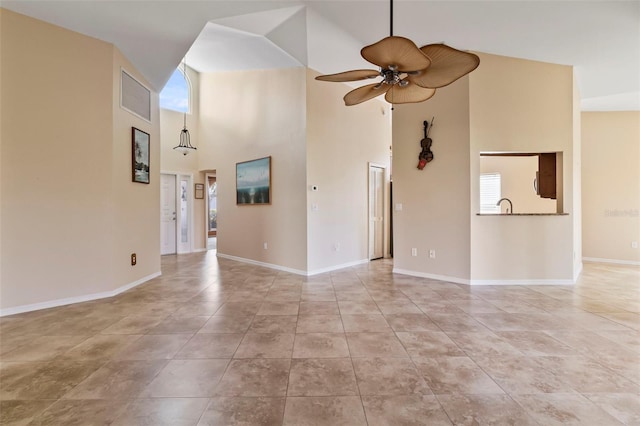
(489, 192)
(175, 94)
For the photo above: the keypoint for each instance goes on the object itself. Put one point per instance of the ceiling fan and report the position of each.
(409, 74)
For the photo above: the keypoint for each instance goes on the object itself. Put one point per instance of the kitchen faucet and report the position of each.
(510, 204)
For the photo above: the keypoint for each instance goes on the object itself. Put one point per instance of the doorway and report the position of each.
(212, 211)
(176, 217)
(376, 211)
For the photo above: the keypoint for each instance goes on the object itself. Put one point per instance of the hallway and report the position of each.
(217, 342)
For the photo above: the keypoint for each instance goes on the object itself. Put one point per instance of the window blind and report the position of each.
(489, 192)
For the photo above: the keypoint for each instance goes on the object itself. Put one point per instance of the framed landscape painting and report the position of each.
(139, 156)
(253, 182)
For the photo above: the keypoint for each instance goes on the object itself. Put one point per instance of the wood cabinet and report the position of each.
(547, 175)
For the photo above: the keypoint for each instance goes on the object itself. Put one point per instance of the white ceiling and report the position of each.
(600, 38)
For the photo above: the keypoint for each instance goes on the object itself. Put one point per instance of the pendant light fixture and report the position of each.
(185, 146)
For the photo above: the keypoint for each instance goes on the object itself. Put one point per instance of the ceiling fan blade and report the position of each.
(408, 94)
(365, 93)
(354, 75)
(447, 65)
(396, 51)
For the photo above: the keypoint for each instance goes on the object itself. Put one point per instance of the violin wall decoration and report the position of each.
(426, 155)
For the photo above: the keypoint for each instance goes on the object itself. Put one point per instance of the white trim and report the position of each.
(336, 267)
(291, 270)
(615, 261)
(184, 248)
(370, 166)
(76, 299)
(431, 276)
(577, 270)
(483, 282)
(524, 282)
(207, 175)
(190, 208)
(266, 265)
(199, 250)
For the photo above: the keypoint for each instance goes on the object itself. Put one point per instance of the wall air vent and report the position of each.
(134, 96)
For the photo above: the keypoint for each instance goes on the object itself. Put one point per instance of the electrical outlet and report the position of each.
(414, 252)
(134, 259)
(336, 246)
(432, 254)
(634, 245)
(265, 246)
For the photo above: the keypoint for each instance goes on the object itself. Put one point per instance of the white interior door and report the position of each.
(167, 214)
(376, 212)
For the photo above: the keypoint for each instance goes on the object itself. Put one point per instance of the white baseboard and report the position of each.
(563, 281)
(76, 299)
(431, 276)
(291, 270)
(483, 282)
(336, 267)
(614, 261)
(266, 265)
(199, 250)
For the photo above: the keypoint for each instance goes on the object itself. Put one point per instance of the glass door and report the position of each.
(213, 209)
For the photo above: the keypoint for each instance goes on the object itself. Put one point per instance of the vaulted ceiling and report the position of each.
(600, 38)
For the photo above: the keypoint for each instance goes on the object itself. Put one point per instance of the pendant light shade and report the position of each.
(185, 146)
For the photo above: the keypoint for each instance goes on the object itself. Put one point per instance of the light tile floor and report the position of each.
(216, 342)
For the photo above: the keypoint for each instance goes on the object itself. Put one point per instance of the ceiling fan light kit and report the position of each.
(409, 74)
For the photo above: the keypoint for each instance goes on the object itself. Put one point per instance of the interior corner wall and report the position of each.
(522, 106)
(341, 142)
(435, 201)
(57, 137)
(611, 186)
(135, 226)
(577, 180)
(171, 161)
(245, 116)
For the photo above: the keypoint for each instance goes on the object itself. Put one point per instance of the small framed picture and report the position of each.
(139, 156)
(199, 192)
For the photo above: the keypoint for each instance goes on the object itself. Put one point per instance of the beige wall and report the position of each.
(523, 106)
(341, 141)
(136, 219)
(516, 177)
(435, 201)
(245, 116)
(611, 185)
(577, 180)
(67, 195)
